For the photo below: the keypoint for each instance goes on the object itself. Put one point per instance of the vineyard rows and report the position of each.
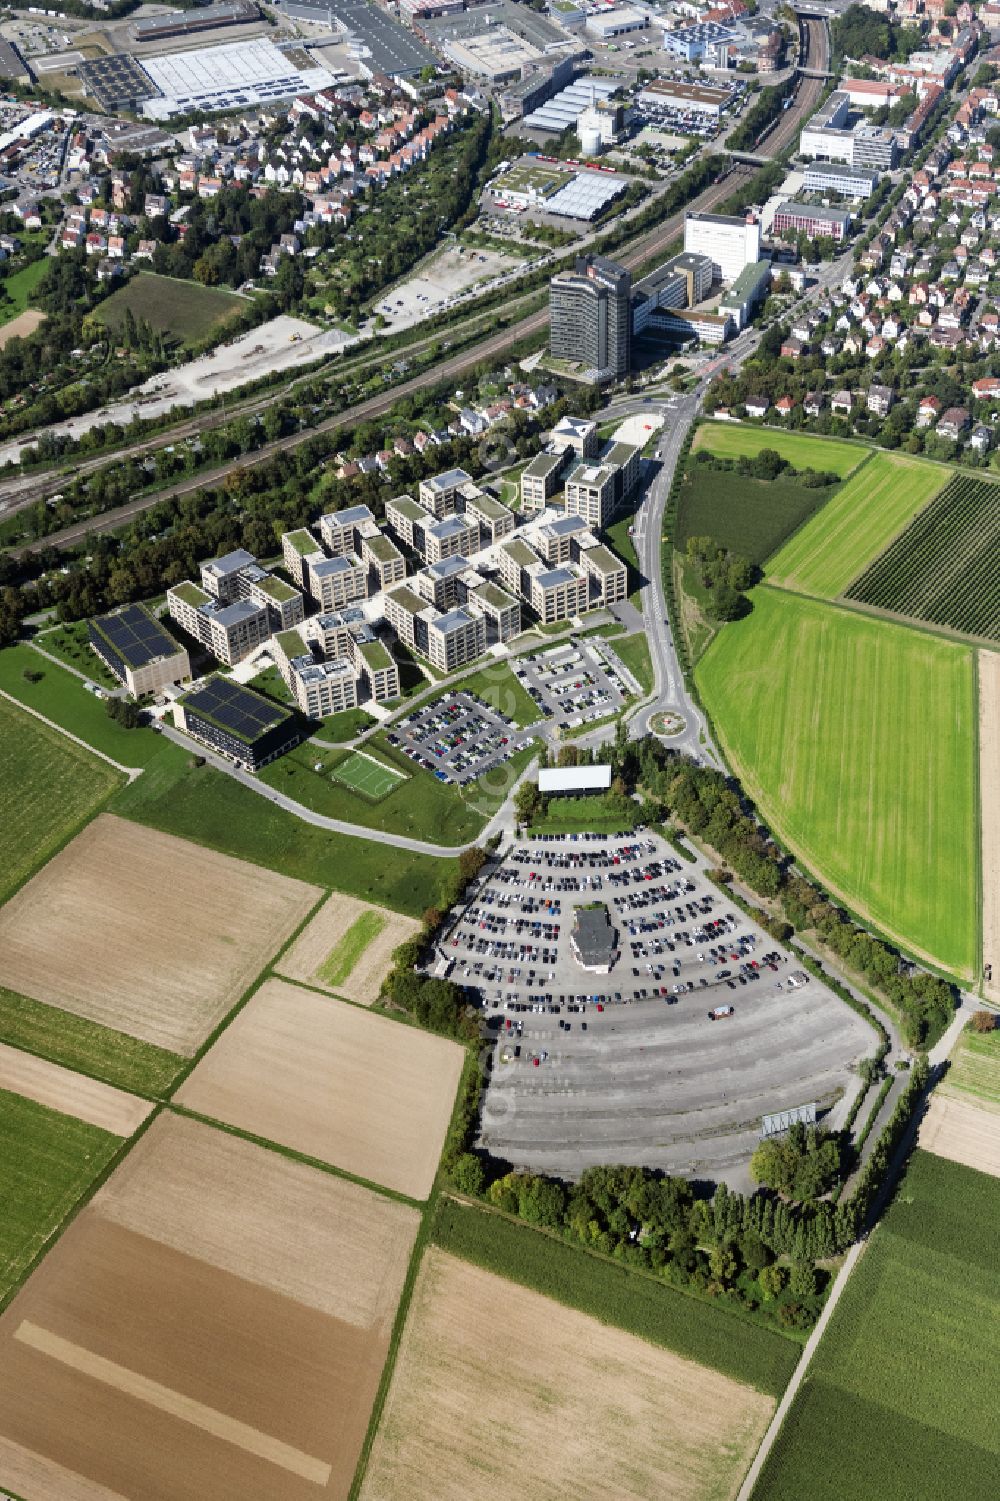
(945, 568)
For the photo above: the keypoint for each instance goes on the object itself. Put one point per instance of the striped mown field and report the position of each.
(861, 520)
(733, 441)
(858, 740)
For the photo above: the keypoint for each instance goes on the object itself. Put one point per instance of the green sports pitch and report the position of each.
(857, 740)
(371, 778)
(861, 520)
(826, 455)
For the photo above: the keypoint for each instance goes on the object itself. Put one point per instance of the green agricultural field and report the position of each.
(184, 309)
(896, 1404)
(20, 287)
(212, 809)
(634, 652)
(975, 1069)
(750, 517)
(80, 1044)
(47, 1163)
(801, 450)
(857, 739)
(344, 956)
(860, 521)
(693, 1327)
(48, 788)
(497, 686)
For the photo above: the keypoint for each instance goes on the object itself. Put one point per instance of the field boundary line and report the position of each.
(131, 772)
(382, 765)
(781, 1411)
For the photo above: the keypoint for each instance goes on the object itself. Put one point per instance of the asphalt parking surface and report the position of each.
(572, 683)
(458, 737)
(587, 1069)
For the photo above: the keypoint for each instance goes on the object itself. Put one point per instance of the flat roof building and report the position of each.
(592, 939)
(590, 317)
(237, 723)
(813, 220)
(141, 652)
(731, 241)
(840, 177)
(230, 632)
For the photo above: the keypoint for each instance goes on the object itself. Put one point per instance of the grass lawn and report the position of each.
(802, 450)
(47, 1163)
(634, 652)
(71, 644)
(692, 605)
(62, 698)
(418, 805)
(571, 815)
(272, 685)
(19, 288)
(497, 686)
(343, 957)
(610, 1292)
(750, 517)
(860, 521)
(78, 1043)
(185, 309)
(621, 544)
(896, 1404)
(361, 774)
(975, 1068)
(48, 788)
(346, 725)
(212, 809)
(857, 738)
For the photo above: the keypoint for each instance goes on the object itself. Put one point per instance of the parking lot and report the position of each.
(628, 1066)
(452, 274)
(575, 683)
(458, 738)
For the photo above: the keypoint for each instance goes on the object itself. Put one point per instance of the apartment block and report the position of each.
(558, 541)
(607, 573)
(439, 493)
(448, 640)
(491, 516)
(229, 631)
(451, 537)
(558, 593)
(345, 635)
(298, 549)
(403, 513)
(384, 561)
(342, 531)
(500, 609)
(579, 434)
(439, 583)
(592, 492)
(540, 480)
(238, 575)
(319, 688)
(335, 583)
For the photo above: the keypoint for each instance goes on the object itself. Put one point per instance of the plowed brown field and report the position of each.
(73, 1094)
(498, 1392)
(962, 1132)
(134, 1366)
(146, 933)
(359, 1091)
(320, 937)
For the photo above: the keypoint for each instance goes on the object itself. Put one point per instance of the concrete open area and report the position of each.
(308, 958)
(442, 279)
(575, 683)
(359, 1091)
(458, 737)
(624, 1061)
(146, 933)
(501, 1392)
(179, 1343)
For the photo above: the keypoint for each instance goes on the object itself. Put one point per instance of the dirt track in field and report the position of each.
(962, 1132)
(501, 1393)
(989, 796)
(70, 1093)
(132, 1368)
(359, 1091)
(315, 943)
(146, 933)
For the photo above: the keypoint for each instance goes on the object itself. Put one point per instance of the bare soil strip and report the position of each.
(499, 1392)
(989, 798)
(317, 941)
(146, 933)
(174, 1403)
(331, 1245)
(963, 1133)
(70, 1093)
(356, 1090)
(23, 1470)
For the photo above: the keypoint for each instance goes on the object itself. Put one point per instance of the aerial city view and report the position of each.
(499, 750)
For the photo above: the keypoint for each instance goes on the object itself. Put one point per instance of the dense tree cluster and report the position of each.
(858, 32)
(725, 575)
(803, 1164)
(766, 465)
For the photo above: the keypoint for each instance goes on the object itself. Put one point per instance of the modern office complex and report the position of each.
(731, 241)
(236, 722)
(229, 631)
(839, 177)
(238, 576)
(140, 652)
(813, 220)
(590, 317)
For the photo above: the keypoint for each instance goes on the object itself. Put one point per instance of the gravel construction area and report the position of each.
(70, 1093)
(359, 1091)
(501, 1392)
(308, 954)
(163, 1351)
(146, 933)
